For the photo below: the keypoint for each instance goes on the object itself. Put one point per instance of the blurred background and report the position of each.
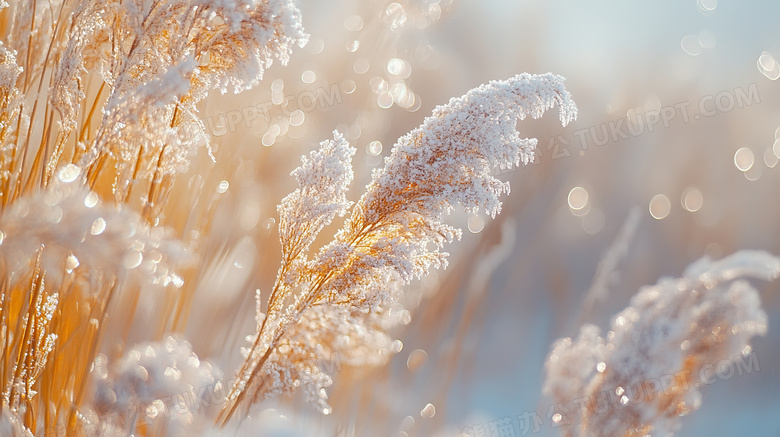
(673, 157)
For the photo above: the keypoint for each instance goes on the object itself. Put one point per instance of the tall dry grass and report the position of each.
(100, 118)
(112, 245)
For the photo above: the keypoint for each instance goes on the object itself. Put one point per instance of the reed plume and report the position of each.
(394, 233)
(646, 371)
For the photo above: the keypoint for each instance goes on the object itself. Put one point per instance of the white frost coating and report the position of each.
(746, 263)
(9, 94)
(671, 331)
(445, 162)
(466, 138)
(9, 69)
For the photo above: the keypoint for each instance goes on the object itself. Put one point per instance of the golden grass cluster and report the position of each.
(97, 117)
(99, 121)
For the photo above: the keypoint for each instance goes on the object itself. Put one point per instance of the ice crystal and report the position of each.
(444, 163)
(34, 358)
(323, 180)
(9, 69)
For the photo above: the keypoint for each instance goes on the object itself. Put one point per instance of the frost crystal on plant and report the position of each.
(640, 377)
(323, 180)
(9, 95)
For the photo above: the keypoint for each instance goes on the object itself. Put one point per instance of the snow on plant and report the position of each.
(393, 234)
(675, 327)
(159, 59)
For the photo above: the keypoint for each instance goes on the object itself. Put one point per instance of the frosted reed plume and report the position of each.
(393, 234)
(672, 328)
(159, 59)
